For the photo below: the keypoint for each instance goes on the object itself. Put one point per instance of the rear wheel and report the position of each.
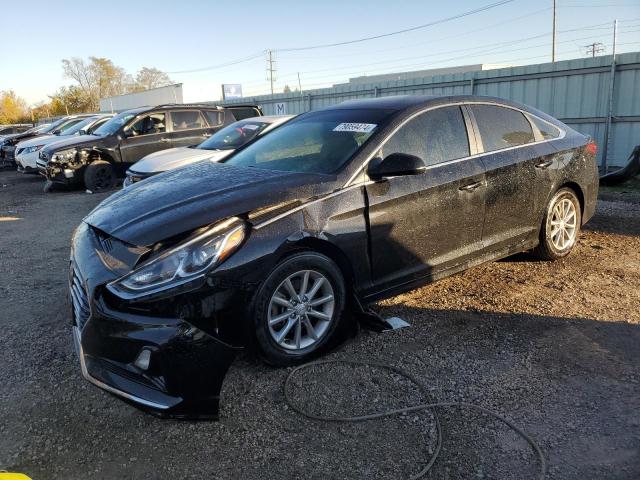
(298, 308)
(99, 176)
(561, 226)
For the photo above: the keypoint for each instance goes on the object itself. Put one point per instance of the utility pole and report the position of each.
(612, 82)
(553, 44)
(271, 69)
(299, 84)
(594, 48)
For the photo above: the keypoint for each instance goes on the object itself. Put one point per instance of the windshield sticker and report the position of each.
(355, 127)
(250, 127)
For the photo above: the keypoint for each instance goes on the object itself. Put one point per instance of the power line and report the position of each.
(430, 42)
(447, 52)
(397, 32)
(221, 65)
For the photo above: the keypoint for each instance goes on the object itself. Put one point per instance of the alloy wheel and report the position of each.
(563, 224)
(301, 310)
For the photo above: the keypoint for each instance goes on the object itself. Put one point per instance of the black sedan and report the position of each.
(337, 208)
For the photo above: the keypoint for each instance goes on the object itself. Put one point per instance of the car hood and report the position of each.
(76, 141)
(176, 157)
(200, 194)
(39, 140)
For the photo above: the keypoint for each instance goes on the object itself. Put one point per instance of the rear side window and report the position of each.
(435, 136)
(501, 127)
(241, 113)
(187, 119)
(214, 117)
(547, 130)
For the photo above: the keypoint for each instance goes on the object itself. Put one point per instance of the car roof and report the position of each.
(404, 102)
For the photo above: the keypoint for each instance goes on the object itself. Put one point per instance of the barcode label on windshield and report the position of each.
(355, 127)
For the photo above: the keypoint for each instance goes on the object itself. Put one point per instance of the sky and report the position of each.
(192, 35)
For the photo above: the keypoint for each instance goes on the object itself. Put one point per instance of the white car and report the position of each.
(220, 145)
(27, 151)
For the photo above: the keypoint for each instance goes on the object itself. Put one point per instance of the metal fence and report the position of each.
(574, 91)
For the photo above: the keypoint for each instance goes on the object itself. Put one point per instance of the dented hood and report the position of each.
(184, 199)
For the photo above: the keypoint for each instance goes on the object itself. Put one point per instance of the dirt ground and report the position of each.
(553, 346)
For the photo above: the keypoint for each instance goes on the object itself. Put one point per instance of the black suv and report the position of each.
(95, 161)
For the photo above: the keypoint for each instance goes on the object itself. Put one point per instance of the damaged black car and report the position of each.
(272, 248)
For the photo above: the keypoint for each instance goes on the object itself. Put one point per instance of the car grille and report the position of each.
(79, 300)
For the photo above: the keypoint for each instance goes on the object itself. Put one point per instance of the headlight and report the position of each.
(32, 149)
(185, 262)
(64, 155)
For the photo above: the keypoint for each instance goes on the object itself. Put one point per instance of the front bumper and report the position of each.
(186, 366)
(27, 163)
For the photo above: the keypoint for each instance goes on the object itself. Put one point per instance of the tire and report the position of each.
(99, 176)
(553, 244)
(298, 345)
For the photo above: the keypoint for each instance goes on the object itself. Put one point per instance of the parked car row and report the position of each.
(93, 150)
(269, 247)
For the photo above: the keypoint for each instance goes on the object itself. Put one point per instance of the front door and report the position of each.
(421, 225)
(144, 135)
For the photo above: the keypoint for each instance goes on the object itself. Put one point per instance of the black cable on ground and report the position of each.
(425, 406)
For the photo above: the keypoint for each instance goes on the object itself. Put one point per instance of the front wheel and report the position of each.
(99, 176)
(561, 226)
(298, 309)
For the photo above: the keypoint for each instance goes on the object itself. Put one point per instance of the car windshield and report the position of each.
(79, 126)
(318, 142)
(53, 126)
(113, 125)
(234, 136)
(68, 124)
(39, 128)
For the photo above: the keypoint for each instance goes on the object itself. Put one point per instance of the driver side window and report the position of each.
(147, 125)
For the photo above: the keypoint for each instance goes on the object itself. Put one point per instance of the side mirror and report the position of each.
(395, 165)
(56, 131)
(82, 132)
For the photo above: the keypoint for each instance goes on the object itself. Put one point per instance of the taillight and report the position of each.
(591, 148)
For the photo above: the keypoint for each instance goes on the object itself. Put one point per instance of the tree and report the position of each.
(98, 78)
(68, 100)
(13, 109)
(286, 89)
(148, 78)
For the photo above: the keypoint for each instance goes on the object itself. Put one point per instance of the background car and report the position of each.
(336, 208)
(96, 161)
(7, 152)
(27, 151)
(13, 129)
(220, 145)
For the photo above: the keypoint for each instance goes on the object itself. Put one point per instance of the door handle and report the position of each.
(470, 187)
(165, 140)
(545, 164)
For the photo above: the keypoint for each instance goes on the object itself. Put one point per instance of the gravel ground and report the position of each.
(553, 346)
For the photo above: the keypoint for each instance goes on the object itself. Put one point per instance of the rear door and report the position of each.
(507, 139)
(146, 134)
(188, 127)
(423, 224)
